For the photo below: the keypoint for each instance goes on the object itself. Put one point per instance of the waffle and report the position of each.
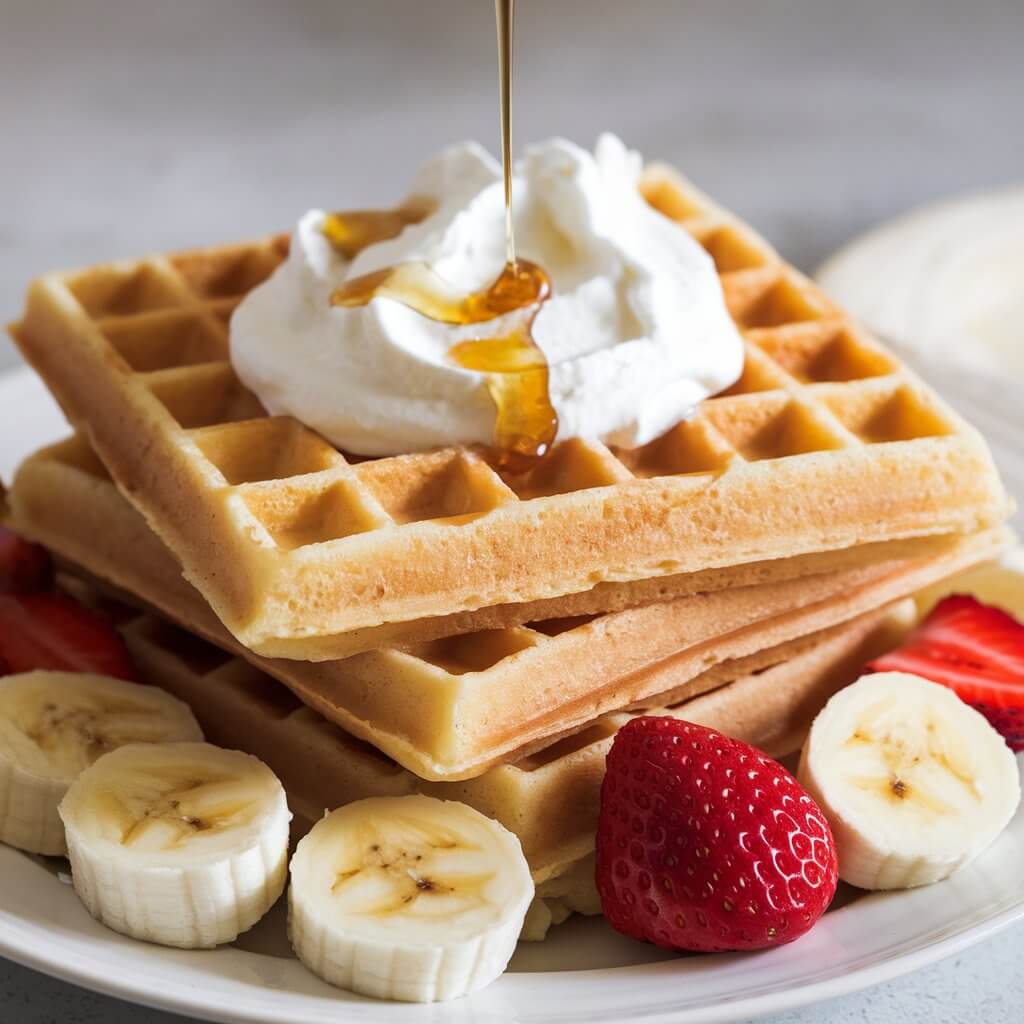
(825, 443)
(51, 471)
(452, 708)
(550, 799)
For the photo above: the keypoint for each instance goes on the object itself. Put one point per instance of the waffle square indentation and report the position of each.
(770, 300)
(448, 486)
(204, 395)
(733, 248)
(759, 374)
(574, 465)
(770, 428)
(668, 194)
(475, 652)
(164, 340)
(881, 414)
(226, 272)
(820, 353)
(553, 753)
(123, 291)
(299, 514)
(266, 449)
(689, 447)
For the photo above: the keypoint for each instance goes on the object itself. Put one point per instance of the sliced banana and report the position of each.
(914, 782)
(1000, 582)
(53, 725)
(184, 844)
(408, 898)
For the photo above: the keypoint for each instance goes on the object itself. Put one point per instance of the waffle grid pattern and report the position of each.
(167, 318)
(549, 800)
(305, 543)
(450, 708)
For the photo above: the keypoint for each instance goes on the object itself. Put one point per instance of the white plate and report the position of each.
(944, 282)
(584, 972)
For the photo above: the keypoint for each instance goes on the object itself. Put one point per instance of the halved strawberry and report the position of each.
(23, 565)
(975, 649)
(54, 631)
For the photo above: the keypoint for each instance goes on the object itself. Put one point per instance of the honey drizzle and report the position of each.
(515, 367)
(354, 230)
(505, 19)
(517, 372)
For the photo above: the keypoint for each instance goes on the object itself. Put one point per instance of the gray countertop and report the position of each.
(138, 126)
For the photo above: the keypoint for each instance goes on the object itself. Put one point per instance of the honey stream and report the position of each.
(515, 367)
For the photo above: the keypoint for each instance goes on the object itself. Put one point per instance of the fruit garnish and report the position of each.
(54, 725)
(24, 566)
(408, 897)
(55, 632)
(914, 782)
(706, 844)
(180, 843)
(975, 649)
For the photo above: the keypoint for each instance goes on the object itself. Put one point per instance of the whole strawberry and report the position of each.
(706, 844)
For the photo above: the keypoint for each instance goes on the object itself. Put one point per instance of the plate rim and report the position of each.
(90, 975)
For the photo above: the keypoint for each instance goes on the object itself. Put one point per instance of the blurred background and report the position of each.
(131, 126)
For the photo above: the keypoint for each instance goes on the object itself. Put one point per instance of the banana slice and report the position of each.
(1000, 582)
(408, 898)
(53, 725)
(914, 783)
(183, 844)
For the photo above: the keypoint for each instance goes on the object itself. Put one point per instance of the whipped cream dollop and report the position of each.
(636, 332)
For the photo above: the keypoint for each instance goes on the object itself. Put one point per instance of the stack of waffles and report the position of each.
(432, 623)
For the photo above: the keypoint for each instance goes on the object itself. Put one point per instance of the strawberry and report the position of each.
(23, 565)
(975, 649)
(54, 631)
(706, 844)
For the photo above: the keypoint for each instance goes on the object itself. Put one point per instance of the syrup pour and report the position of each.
(517, 372)
(353, 231)
(505, 18)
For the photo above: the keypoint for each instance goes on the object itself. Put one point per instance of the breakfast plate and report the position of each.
(942, 281)
(583, 972)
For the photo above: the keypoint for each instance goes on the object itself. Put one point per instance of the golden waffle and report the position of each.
(48, 473)
(550, 799)
(826, 442)
(451, 708)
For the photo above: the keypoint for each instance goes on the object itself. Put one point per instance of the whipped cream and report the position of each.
(635, 334)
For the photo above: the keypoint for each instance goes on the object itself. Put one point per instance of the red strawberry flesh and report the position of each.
(24, 566)
(706, 844)
(975, 649)
(52, 631)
